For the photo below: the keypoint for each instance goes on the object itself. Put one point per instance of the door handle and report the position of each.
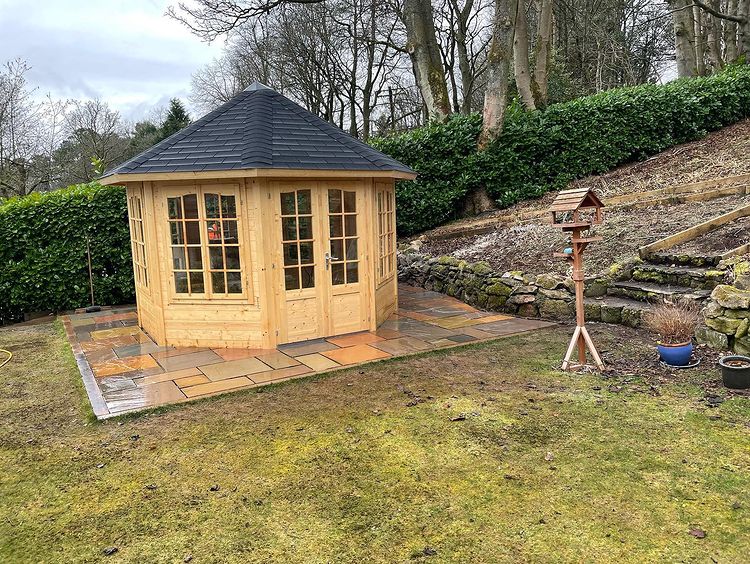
(329, 258)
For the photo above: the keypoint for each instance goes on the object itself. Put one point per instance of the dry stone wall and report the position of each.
(478, 284)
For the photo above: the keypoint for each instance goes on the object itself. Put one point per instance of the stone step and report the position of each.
(690, 276)
(611, 309)
(683, 260)
(654, 293)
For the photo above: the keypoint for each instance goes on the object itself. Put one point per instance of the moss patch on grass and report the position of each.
(500, 458)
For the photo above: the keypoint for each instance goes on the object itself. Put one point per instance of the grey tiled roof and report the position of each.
(259, 128)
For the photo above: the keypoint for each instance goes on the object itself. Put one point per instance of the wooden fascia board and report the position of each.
(255, 173)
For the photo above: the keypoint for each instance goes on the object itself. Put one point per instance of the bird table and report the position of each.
(576, 212)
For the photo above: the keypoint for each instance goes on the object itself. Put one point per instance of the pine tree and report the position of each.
(177, 118)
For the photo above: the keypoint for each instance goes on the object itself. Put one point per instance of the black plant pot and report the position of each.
(735, 371)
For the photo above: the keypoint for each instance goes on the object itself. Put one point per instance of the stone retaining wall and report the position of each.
(727, 313)
(727, 318)
(546, 295)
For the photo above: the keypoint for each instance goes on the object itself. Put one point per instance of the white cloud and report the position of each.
(126, 52)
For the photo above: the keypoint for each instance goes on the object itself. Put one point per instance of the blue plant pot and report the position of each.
(676, 355)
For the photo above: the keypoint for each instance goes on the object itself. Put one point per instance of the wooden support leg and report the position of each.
(592, 348)
(581, 347)
(572, 346)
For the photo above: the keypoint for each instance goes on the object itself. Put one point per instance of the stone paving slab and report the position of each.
(123, 370)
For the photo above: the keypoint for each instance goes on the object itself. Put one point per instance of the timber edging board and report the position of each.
(650, 198)
(693, 232)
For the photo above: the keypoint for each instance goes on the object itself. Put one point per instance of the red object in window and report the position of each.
(214, 231)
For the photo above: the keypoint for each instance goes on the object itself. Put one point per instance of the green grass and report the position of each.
(339, 469)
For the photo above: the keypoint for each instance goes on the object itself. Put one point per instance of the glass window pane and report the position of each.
(217, 282)
(233, 257)
(305, 228)
(178, 258)
(196, 283)
(287, 203)
(216, 258)
(175, 229)
(380, 202)
(304, 202)
(290, 254)
(351, 225)
(212, 205)
(228, 206)
(350, 202)
(195, 259)
(230, 232)
(291, 278)
(352, 272)
(192, 230)
(140, 232)
(337, 274)
(351, 249)
(306, 253)
(334, 201)
(337, 249)
(337, 228)
(234, 283)
(175, 208)
(190, 204)
(289, 229)
(308, 276)
(213, 228)
(180, 282)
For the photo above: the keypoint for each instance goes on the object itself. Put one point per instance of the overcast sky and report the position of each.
(125, 52)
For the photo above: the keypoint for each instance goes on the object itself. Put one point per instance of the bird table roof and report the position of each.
(259, 129)
(571, 200)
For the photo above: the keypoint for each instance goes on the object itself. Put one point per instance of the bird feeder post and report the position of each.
(571, 203)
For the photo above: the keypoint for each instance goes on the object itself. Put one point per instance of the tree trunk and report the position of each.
(743, 39)
(684, 37)
(730, 34)
(699, 43)
(498, 70)
(542, 52)
(521, 56)
(464, 61)
(424, 51)
(713, 27)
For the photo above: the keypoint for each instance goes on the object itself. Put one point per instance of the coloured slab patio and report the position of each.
(123, 370)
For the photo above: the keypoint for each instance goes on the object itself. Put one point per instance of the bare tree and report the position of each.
(740, 16)
(21, 133)
(424, 51)
(542, 52)
(521, 56)
(498, 71)
(210, 19)
(94, 131)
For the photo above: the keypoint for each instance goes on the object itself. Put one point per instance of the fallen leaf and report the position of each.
(698, 533)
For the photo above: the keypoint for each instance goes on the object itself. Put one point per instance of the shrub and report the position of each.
(43, 250)
(544, 150)
(443, 154)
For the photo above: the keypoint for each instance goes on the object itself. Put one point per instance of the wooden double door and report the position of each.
(320, 267)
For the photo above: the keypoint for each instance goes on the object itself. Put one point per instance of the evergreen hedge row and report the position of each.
(544, 150)
(43, 264)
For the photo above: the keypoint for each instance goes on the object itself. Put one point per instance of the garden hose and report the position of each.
(7, 360)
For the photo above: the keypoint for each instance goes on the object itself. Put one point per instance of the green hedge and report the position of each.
(544, 150)
(43, 262)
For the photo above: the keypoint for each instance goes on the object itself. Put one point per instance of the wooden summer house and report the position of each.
(261, 224)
